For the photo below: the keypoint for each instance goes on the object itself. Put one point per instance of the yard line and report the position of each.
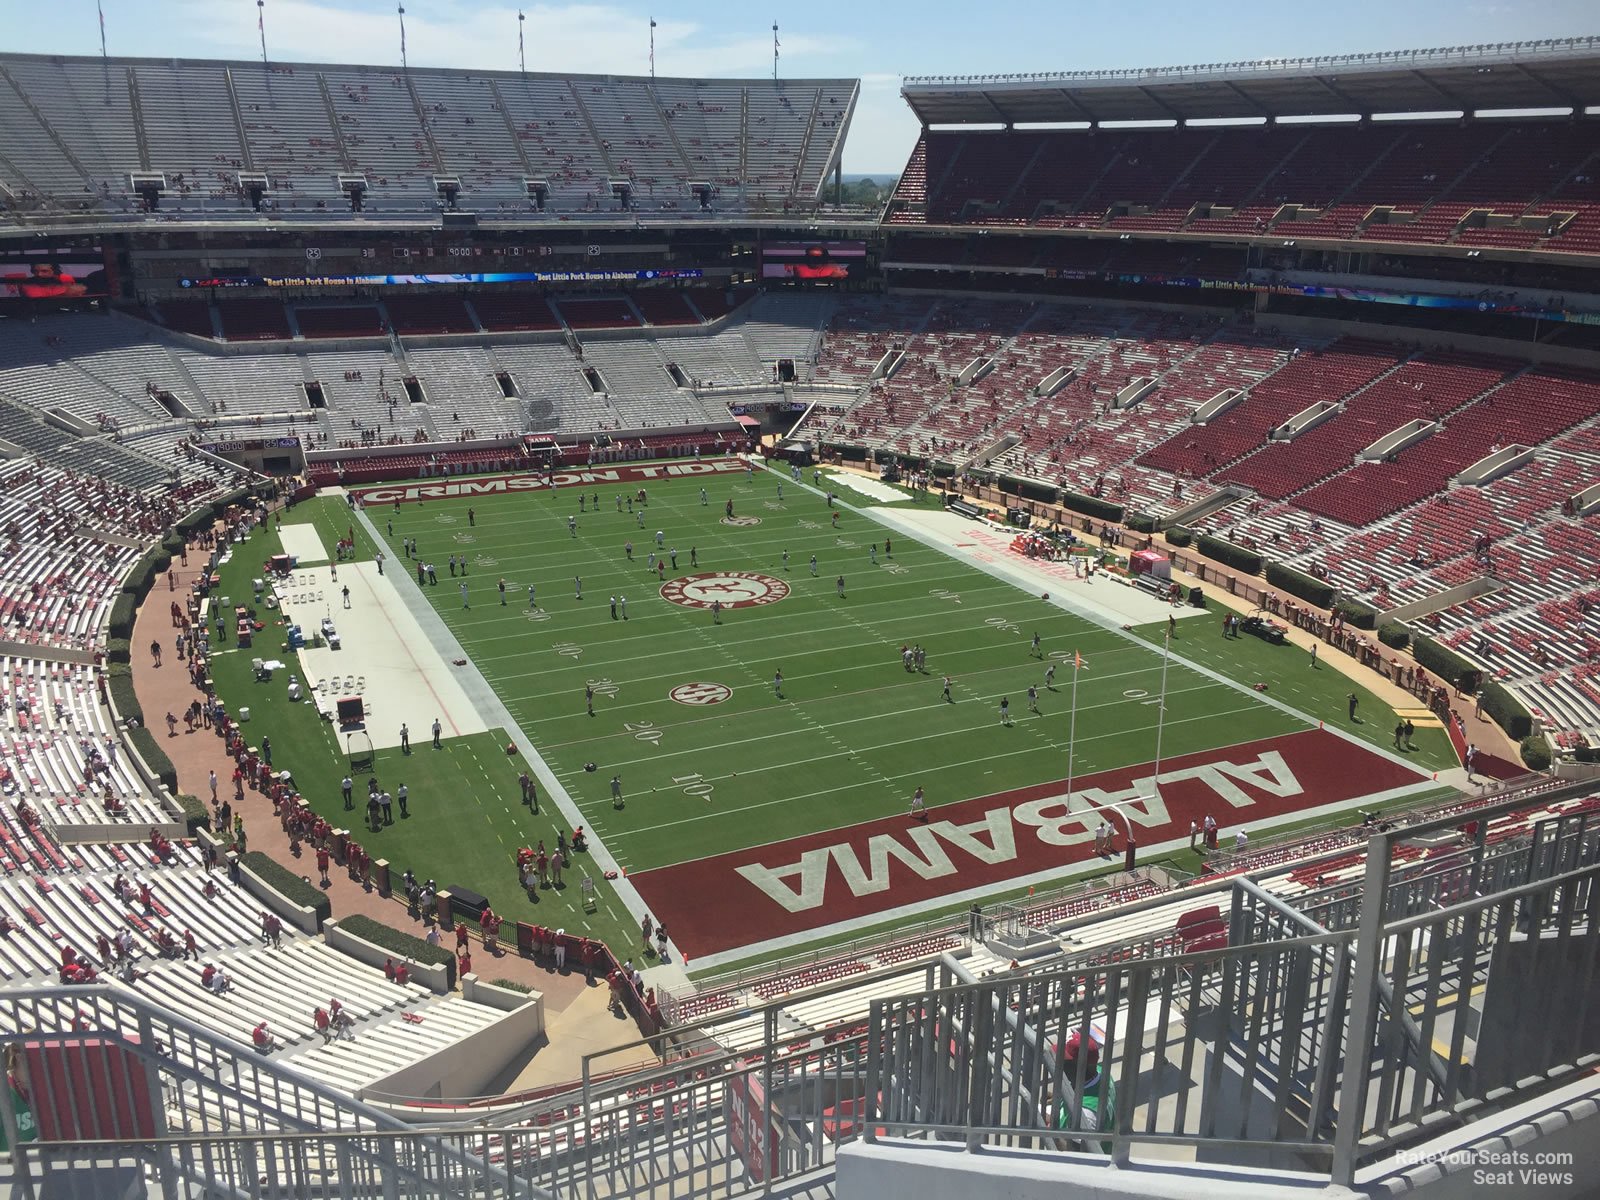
(1101, 649)
(760, 682)
(726, 812)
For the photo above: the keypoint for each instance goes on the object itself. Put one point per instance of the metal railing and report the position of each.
(1405, 60)
(1330, 1046)
(1335, 1047)
(107, 1082)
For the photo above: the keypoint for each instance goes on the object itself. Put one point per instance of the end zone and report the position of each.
(765, 897)
(532, 481)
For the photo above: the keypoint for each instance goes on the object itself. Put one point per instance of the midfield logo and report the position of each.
(736, 589)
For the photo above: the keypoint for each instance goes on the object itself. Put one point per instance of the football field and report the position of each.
(756, 815)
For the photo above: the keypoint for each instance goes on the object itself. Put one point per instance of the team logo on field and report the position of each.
(466, 539)
(485, 560)
(446, 519)
(741, 521)
(735, 589)
(700, 694)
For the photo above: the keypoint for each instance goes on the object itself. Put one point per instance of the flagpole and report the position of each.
(1072, 725)
(522, 59)
(1161, 712)
(403, 65)
(774, 51)
(100, 8)
(261, 27)
(652, 47)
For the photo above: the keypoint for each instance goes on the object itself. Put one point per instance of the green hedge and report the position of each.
(1586, 754)
(195, 813)
(1535, 753)
(1090, 506)
(123, 610)
(119, 650)
(145, 572)
(1445, 663)
(512, 985)
(1139, 522)
(1178, 535)
(154, 756)
(1309, 588)
(201, 518)
(1394, 634)
(289, 885)
(1505, 710)
(1236, 557)
(174, 543)
(1358, 614)
(120, 686)
(223, 503)
(399, 943)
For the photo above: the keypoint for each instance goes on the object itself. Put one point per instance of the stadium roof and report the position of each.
(1556, 73)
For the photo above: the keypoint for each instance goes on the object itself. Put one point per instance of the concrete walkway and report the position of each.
(167, 689)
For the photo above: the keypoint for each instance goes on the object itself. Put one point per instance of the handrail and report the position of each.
(1396, 59)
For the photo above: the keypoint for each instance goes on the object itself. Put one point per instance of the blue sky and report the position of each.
(877, 41)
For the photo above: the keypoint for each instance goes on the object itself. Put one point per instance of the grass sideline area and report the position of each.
(854, 734)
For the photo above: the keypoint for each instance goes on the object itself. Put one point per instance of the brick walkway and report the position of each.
(167, 689)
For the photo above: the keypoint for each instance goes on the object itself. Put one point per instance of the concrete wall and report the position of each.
(431, 976)
(1537, 989)
(465, 1068)
(1547, 1144)
(900, 1170)
(1442, 339)
(302, 917)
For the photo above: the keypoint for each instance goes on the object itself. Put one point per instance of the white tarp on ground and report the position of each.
(1102, 598)
(303, 544)
(867, 486)
(383, 656)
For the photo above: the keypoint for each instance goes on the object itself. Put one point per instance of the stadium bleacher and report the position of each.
(1427, 183)
(102, 409)
(757, 141)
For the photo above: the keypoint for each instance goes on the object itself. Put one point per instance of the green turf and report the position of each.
(1317, 690)
(854, 733)
(466, 813)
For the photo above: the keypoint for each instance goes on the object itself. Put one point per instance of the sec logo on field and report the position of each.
(700, 694)
(741, 521)
(735, 589)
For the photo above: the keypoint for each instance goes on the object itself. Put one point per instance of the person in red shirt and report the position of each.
(45, 281)
(615, 979)
(388, 969)
(338, 1018)
(191, 948)
(589, 952)
(322, 864)
(402, 974)
(262, 1037)
(320, 1020)
(463, 965)
(461, 936)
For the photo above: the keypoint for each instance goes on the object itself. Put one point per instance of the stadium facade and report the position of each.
(204, 259)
